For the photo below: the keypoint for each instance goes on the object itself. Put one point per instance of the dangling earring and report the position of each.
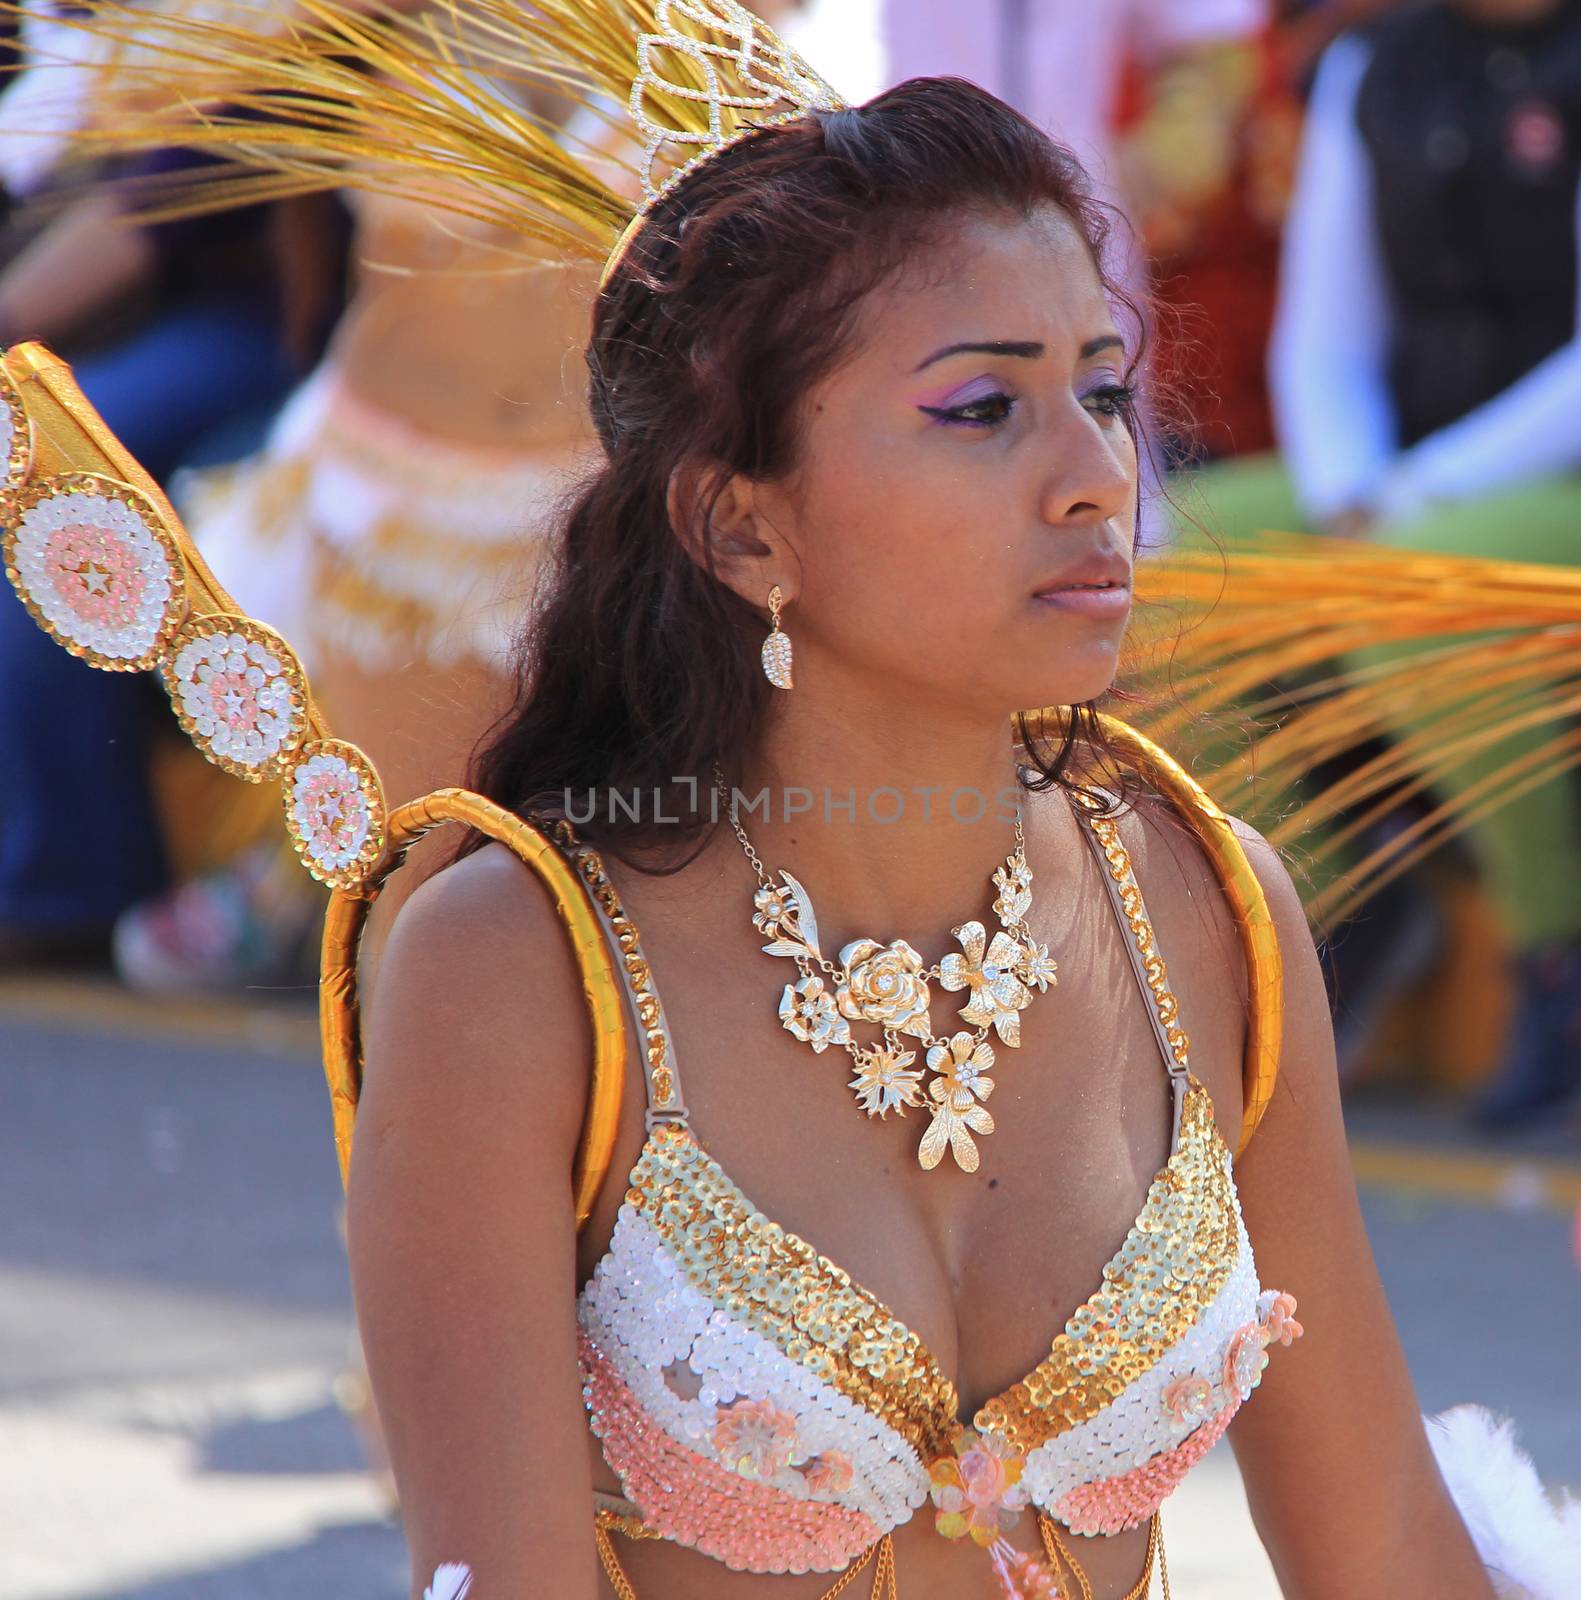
(777, 647)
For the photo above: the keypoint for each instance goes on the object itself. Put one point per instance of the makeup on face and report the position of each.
(984, 401)
(976, 403)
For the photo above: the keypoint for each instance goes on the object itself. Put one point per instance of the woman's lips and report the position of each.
(1088, 600)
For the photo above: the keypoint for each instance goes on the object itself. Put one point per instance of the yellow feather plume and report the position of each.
(434, 100)
(1476, 652)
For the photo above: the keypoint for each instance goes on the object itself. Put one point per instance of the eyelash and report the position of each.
(1116, 398)
(961, 416)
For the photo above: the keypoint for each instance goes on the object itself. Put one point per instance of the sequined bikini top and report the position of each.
(759, 1406)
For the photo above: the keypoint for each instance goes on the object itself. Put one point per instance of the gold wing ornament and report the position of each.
(430, 101)
(100, 559)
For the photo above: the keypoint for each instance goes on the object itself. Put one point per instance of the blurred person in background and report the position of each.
(1215, 253)
(390, 527)
(1426, 377)
(1063, 63)
(185, 336)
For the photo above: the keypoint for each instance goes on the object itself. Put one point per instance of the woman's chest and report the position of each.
(983, 1267)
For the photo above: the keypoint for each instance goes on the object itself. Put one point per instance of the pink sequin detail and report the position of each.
(755, 1437)
(1280, 1320)
(334, 803)
(1246, 1357)
(1189, 1396)
(749, 1525)
(1111, 1505)
(96, 572)
(233, 700)
(830, 1473)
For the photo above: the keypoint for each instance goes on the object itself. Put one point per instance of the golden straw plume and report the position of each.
(321, 94)
(1480, 650)
(433, 101)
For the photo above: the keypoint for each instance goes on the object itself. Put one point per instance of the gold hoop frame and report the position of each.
(339, 1017)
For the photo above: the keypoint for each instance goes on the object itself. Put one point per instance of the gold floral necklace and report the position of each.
(887, 986)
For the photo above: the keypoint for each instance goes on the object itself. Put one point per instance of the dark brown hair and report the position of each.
(638, 666)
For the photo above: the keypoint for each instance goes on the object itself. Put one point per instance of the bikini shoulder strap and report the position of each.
(1141, 940)
(660, 1075)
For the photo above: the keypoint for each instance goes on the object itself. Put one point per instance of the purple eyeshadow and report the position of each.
(1104, 378)
(967, 394)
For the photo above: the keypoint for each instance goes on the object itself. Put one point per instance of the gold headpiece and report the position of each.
(734, 68)
(749, 80)
(433, 106)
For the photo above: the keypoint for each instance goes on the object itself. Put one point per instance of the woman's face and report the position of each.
(964, 508)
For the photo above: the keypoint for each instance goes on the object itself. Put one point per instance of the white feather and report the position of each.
(1530, 1546)
(453, 1581)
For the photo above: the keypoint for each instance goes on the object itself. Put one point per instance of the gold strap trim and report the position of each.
(1147, 962)
(660, 1075)
(1254, 922)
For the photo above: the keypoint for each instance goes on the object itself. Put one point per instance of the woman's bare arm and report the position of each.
(462, 1235)
(1339, 1474)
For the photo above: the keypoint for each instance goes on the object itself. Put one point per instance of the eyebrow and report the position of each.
(1030, 349)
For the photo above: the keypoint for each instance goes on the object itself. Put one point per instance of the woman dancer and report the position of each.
(863, 364)
(869, 486)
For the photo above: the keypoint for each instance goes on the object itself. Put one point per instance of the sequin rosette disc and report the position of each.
(238, 691)
(16, 443)
(96, 569)
(334, 812)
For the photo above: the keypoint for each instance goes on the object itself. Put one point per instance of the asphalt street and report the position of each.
(174, 1312)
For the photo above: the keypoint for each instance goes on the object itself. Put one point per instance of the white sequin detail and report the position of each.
(641, 1310)
(1138, 1425)
(238, 696)
(96, 573)
(329, 811)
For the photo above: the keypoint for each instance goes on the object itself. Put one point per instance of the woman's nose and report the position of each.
(1092, 476)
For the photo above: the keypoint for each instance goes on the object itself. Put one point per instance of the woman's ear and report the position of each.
(719, 519)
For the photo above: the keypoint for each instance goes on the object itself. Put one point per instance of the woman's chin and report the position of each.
(1072, 688)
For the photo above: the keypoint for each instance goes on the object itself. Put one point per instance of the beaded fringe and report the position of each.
(885, 1582)
(884, 1585)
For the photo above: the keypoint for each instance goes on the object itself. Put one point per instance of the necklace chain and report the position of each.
(764, 881)
(887, 986)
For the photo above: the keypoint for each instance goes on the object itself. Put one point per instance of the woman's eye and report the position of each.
(988, 411)
(1112, 400)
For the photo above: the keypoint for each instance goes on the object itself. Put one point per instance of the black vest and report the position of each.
(1474, 137)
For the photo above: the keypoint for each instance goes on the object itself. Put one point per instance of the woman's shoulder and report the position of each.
(1171, 861)
(479, 982)
(487, 907)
